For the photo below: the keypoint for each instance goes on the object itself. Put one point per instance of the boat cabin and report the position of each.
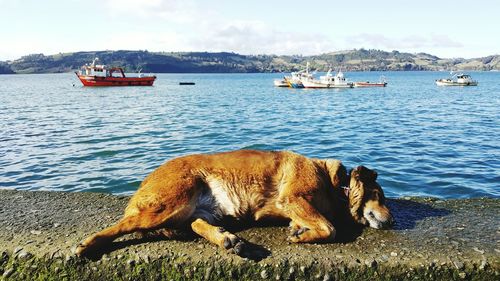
(100, 70)
(464, 78)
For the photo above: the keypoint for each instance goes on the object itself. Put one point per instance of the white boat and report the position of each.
(461, 80)
(328, 81)
(297, 79)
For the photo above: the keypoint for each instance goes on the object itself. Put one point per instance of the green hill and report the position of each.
(203, 62)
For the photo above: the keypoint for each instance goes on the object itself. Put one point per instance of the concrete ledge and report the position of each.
(433, 239)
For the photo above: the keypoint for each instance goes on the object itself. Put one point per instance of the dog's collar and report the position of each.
(346, 190)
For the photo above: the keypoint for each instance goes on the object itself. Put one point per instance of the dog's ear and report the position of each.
(337, 172)
(366, 175)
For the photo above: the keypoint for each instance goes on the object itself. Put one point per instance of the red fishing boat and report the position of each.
(101, 75)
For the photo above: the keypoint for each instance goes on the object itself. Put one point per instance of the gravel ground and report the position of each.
(458, 237)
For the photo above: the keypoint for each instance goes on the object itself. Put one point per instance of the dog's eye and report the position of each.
(371, 214)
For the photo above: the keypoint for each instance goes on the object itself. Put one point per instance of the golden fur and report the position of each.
(198, 190)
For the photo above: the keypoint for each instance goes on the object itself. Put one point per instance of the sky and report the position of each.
(444, 28)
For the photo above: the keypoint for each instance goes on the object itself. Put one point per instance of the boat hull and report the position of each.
(319, 85)
(96, 81)
(454, 83)
(295, 84)
(368, 84)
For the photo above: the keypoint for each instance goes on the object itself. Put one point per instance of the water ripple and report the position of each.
(422, 139)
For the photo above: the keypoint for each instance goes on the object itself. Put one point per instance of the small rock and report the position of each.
(23, 255)
(384, 258)
(264, 274)
(483, 265)
(462, 275)
(36, 232)
(458, 265)
(17, 250)
(394, 254)
(292, 270)
(327, 277)
(478, 250)
(303, 269)
(57, 225)
(8, 273)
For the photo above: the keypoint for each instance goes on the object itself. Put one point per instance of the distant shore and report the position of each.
(225, 62)
(433, 239)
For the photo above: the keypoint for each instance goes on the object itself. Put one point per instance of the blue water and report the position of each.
(422, 139)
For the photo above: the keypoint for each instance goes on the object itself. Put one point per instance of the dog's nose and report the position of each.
(388, 223)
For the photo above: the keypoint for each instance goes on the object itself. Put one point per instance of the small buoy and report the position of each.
(186, 83)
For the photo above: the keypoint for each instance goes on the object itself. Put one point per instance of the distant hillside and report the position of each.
(203, 62)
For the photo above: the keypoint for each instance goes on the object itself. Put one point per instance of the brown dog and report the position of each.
(198, 190)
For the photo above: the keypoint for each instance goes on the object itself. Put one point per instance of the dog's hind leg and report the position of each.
(143, 220)
(218, 236)
(314, 227)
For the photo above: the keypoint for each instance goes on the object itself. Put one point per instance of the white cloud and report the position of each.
(152, 41)
(402, 43)
(256, 37)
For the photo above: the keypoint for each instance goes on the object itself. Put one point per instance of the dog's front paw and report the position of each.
(89, 246)
(296, 234)
(234, 244)
(81, 249)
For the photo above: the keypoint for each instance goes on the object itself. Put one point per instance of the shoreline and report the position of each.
(72, 72)
(433, 239)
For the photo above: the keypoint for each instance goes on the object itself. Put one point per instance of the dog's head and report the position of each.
(367, 200)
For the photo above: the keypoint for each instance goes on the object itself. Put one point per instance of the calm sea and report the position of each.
(422, 139)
